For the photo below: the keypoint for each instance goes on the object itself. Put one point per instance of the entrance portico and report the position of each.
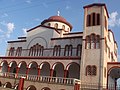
(113, 74)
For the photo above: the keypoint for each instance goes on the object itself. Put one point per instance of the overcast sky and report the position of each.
(17, 16)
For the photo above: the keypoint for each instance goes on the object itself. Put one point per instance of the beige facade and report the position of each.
(52, 57)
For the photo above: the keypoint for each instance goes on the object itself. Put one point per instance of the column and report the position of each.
(115, 83)
(65, 75)
(21, 83)
(77, 86)
(51, 72)
(38, 73)
(7, 74)
(27, 71)
(8, 69)
(17, 71)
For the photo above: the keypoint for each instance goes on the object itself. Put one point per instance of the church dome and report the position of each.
(56, 19)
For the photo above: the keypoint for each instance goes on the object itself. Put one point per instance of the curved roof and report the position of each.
(57, 18)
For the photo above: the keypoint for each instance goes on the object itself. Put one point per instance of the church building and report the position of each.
(52, 57)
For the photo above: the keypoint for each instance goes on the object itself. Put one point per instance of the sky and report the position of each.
(17, 16)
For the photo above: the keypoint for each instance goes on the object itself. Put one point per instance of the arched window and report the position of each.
(31, 87)
(18, 51)
(7, 85)
(88, 20)
(88, 42)
(93, 19)
(11, 51)
(56, 26)
(97, 42)
(36, 50)
(105, 22)
(94, 70)
(54, 73)
(30, 51)
(88, 70)
(63, 27)
(98, 19)
(79, 50)
(49, 24)
(56, 50)
(92, 41)
(45, 88)
(91, 70)
(68, 50)
(68, 29)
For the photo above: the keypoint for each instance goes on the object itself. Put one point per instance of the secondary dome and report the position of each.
(58, 19)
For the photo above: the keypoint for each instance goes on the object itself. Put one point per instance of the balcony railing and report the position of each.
(48, 79)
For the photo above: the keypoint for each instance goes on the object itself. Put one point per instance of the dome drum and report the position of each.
(57, 19)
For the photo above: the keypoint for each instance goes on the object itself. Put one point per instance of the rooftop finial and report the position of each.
(58, 13)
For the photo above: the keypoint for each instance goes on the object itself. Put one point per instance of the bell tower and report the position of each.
(93, 64)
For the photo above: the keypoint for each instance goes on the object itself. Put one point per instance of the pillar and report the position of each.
(8, 69)
(17, 71)
(77, 86)
(65, 73)
(38, 73)
(27, 71)
(7, 74)
(51, 72)
(21, 83)
(115, 83)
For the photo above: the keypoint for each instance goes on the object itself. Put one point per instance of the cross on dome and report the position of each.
(58, 13)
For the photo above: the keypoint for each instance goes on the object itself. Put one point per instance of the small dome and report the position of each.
(57, 18)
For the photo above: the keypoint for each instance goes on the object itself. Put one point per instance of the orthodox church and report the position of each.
(52, 57)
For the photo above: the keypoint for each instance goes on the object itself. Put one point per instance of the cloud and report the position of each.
(45, 5)
(114, 20)
(28, 1)
(67, 7)
(10, 28)
(25, 31)
(1, 30)
(3, 23)
(119, 58)
(4, 15)
(37, 19)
